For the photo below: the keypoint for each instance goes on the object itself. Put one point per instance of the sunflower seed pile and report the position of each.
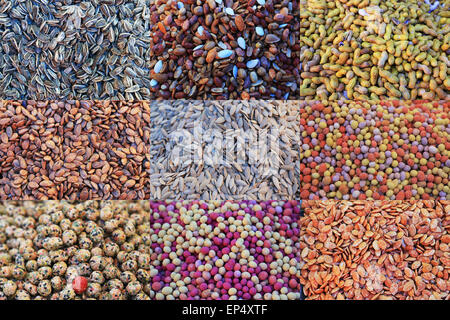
(75, 49)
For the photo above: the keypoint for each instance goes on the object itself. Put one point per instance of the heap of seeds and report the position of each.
(224, 49)
(224, 250)
(374, 49)
(63, 250)
(73, 49)
(375, 249)
(365, 150)
(74, 150)
(224, 150)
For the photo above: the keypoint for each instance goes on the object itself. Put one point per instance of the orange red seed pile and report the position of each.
(375, 249)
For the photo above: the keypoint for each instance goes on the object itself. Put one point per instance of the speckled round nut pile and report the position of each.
(63, 250)
(374, 49)
(378, 250)
(368, 150)
(74, 150)
(224, 49)
(224, 250)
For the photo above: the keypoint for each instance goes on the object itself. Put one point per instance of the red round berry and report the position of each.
(79, 284)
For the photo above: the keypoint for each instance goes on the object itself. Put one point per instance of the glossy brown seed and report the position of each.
(239, 23)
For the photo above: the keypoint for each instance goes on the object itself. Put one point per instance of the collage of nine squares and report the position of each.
(374, 150)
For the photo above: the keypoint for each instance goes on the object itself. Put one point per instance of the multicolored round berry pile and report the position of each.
(62, 250)
(363, 150)
(225, 250)
(375, 250)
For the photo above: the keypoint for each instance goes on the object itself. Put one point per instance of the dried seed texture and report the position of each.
(375, 249)
(198, 44)
(230, 250)
(375, 150)
(374, 49)
(73, 49)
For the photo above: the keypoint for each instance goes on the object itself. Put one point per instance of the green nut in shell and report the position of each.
(372, 49)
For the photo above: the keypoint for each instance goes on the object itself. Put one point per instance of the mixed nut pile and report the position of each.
(224, 49)
(74, 250)
(375, 249)
(374, 49)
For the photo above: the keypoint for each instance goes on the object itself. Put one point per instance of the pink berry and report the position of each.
(204, 250)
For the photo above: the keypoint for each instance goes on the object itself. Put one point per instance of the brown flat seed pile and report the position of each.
(224, 150)
(375, 250)
(224, 49)
(73, 49)
(45, 245)
(74, 150)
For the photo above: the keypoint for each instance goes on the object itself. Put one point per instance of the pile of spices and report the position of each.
(224, 49)
(224, 250)
(74, 150)
(60, 250)
(224, 150)
(75, 49)
(366, 150)
(373, 49)
(375, 250)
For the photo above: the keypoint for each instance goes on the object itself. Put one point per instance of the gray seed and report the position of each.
(271, 38)
(224, 54)
(183, 177)
(229, 11)
(252, 63)
(259, 31)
